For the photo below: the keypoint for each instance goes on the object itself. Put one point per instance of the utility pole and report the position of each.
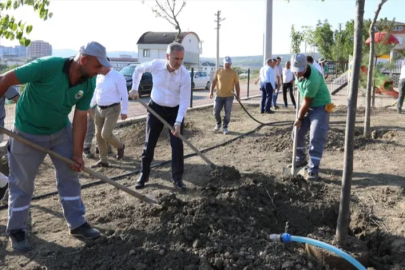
(269, 31)
(218, 21)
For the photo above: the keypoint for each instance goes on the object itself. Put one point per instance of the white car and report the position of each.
(201, 80)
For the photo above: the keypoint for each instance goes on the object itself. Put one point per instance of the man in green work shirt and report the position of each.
(54, 86)
(312, 116)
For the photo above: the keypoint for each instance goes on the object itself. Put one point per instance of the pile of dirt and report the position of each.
(225, 227)
(225, 173)
(336, 140)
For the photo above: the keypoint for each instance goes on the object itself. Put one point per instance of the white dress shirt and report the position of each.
(288, 76)
(402, 75)
(111, 88)
(318, 67)
(170, 89)
(267, 76)
(276, 74)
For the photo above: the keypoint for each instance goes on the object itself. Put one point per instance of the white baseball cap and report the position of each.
(298, 62)
(227, 60)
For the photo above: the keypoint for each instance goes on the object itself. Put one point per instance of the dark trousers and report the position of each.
(288, 87)
(401, 96)
(153, 129)
(267, 94)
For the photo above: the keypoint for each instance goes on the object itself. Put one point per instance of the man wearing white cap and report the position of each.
(226, 79)
(54, 86)
(312, 116)
(170, 98)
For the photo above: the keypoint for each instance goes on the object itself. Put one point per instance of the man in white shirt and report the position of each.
(111, 88)
(401, 88)
(311, 61)
(267, 86)
(170, 98)
(288, 84)
(277, 77)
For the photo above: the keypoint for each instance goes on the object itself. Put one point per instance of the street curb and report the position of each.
(140, 118)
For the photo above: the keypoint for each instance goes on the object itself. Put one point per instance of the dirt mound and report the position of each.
(336, 140)
(225, 173)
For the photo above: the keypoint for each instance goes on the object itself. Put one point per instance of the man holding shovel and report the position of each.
(170, 98)
(313, 115)
(54, 86)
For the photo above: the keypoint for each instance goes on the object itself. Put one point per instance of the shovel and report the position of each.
(212, 165)
(291, 169)
(131, 192)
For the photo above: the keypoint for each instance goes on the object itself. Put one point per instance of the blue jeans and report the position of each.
(221, 102)
(317, 123)
(275, 96)
(267, 93)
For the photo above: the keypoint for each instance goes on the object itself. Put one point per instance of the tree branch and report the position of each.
(377, 12)
(182, 6)
(163, 9)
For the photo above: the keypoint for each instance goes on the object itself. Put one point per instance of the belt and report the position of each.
(160, 106)
(108, 106)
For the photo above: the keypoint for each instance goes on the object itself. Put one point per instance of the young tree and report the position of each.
(370, 70)
(324, 39)
(296, 40)
(11, 28)
(344, 209)
(167, 9)
(308, 34)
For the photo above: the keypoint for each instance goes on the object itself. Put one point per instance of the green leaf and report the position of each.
(2, 6)
(14, 27)
(8, 5)
(12, 36)
(16, 5)
(24, 41)
(28, 29)
(50, 14)
(19, 35)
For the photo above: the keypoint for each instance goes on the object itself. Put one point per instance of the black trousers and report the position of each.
(286, 87)
(153, 129)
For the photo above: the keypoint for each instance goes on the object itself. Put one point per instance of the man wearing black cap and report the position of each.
(54, 86)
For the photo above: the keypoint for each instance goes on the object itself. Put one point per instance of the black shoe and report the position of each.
(85, 231)
(301, 164)
(270, 112)
(97, 150)
(100, 164)
(3, 192)
(276, 107)
(120, 153)
(179, 184)
(141, 181)
(19, 241)
(87, 153)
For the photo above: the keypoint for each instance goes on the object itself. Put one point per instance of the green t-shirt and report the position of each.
(314, 87)
(48, 98)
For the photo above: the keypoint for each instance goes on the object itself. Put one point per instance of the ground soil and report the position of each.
(225, 217)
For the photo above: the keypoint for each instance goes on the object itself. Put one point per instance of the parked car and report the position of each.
(146, 84)
(201, 80)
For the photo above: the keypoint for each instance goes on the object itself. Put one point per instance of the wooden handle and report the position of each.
(180, 136)
(87, 170)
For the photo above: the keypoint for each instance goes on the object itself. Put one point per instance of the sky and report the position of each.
(118, 24)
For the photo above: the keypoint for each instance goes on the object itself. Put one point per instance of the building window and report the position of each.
(398, 28)
(146, 53)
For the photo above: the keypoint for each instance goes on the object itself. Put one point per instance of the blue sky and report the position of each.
(119, 23)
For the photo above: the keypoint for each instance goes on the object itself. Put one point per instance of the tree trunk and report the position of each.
(344, 209)
(369, 83)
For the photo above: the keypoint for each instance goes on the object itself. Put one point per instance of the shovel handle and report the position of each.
(71, 162)
(212, 165)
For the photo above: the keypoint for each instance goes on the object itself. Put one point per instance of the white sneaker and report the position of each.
(225, 131)
(216, 128)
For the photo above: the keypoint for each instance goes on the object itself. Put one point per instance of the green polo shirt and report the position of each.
(313, 86)
(48, 98)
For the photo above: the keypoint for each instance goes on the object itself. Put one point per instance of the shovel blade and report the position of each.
(289, 170)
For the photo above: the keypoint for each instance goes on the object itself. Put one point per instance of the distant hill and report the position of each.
(255, 61)
(69, 52)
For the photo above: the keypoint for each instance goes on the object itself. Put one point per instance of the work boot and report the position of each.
(3, 192)
(100, 164)
(270, 112)
(179, 184)
(120, 153)
(141, 181)
(87, 153)
(85, 231)
(299, 164)
(19, 241)
(225, 131)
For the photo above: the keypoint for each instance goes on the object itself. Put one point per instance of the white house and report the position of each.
(153, 45)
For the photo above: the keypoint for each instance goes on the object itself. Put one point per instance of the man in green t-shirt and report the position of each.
(54, 86)
(312, 116)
